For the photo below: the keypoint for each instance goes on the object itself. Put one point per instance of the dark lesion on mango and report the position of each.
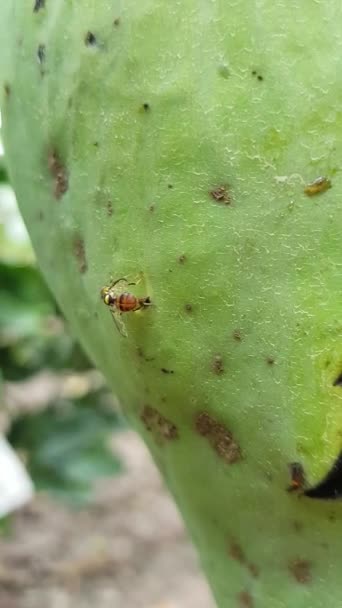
(41, 56)
(142, 355)
(301, 570)
(161, 427)
(237, 335)
(59, 173)
(245, 600)
(80, 253)
(219, 437)
(257, 75)
(38, 4)
(90, 39)
(221, 194)
(217, 365)
(7, 90)
(41, 53)
(237, 554)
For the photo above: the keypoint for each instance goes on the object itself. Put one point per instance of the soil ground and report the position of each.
(128, 549)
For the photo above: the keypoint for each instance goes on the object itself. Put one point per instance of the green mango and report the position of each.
(194, 148)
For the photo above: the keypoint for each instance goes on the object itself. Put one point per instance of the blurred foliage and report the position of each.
(32, 332)
(65, 446)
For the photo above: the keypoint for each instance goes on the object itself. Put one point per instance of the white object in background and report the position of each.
(16, 487)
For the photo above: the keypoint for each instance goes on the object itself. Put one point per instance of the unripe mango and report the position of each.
(178, 145)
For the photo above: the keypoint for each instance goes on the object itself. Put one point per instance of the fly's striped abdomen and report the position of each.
(127, 302)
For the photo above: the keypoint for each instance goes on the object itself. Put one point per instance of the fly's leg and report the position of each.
(122, 280)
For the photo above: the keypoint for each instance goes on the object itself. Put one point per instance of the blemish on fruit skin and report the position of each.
(219, 437)
(161, 427)
(182, 258)
(237, 335)
(217, 365)
(59, 173)
(270, 360)
(41, 56)
(223, 71)
(41, 53)
(236, 553)
(221, 195)
(40, 216)
(188, 307)
(142, 355)
(318, 186)
(38, 5)
(338, 381)
(301, 570)
(245, 600)
(170, 186)
(109, 209)
(116, 22)
(78, 248)
(90, 39)
(146, 107)
(7, 89)
(166, 371)
(259, 77)
(297, 526)
(254, 570)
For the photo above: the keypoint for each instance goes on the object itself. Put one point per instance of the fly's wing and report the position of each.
(116, 316)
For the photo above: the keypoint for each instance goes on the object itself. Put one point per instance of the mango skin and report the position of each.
(173, 142)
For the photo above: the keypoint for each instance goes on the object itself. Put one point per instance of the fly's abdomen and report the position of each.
(127, 302)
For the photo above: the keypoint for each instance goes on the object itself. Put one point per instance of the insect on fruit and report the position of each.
(297, 477)
(321, 184)
(121, 302)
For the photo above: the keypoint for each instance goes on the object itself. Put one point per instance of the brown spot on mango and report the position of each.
(221, 194)
(161, 427)
(59, 173)
(301, 570)
(80, 254)
(219, 437)
(218, 365)
(245, 600)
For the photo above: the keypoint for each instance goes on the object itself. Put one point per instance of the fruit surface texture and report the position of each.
(194, 149)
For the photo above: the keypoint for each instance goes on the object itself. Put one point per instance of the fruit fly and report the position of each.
(321, 184)
(297, 477)
(123, 302)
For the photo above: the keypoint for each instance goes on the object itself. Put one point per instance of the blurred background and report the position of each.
(84, 517)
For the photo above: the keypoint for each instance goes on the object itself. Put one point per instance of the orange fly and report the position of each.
(122, 302)
(297, 477)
